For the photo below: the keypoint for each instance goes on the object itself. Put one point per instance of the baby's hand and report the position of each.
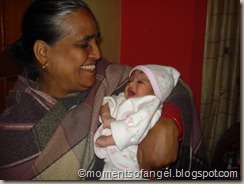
(104, 141)
(107, 122)
(106, 116)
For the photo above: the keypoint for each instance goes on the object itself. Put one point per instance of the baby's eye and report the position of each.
(141, 82)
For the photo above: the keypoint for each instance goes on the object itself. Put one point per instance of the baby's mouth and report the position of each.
(131, 93)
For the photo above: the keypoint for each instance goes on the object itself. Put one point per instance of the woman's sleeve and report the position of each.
(172, 111)
(180, 106)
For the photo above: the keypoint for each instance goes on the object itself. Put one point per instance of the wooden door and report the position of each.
(11, 13)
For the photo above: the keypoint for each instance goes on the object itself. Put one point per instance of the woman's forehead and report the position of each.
(80, 22)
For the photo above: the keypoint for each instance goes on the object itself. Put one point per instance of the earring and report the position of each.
(44, 67)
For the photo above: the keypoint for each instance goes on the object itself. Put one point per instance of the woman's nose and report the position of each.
(95, 51)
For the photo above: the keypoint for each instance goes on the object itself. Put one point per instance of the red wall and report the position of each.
(168, 32)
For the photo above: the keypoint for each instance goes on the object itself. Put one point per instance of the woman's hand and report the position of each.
(160, 147)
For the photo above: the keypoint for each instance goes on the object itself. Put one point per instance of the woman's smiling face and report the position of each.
(71, 62)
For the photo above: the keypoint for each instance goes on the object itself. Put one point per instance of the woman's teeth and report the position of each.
(88, 67)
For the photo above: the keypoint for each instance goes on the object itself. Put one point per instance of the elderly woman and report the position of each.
(47, 129)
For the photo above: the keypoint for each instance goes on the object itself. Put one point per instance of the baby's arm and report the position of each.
(104, 141)
(106, 116)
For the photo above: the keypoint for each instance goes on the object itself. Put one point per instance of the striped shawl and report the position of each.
(43, 138)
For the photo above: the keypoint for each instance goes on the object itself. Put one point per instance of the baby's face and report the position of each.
(138, 85)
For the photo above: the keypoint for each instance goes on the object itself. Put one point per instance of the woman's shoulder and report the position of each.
(112, 66)
(113, 74)
(22, 108)
(180, 90)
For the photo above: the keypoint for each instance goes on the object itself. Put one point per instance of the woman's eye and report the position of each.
(98, 40)
(84, 46)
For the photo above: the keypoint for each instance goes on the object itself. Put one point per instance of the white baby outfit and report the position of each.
(134, 118)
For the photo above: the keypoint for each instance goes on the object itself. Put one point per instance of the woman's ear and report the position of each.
(40, 50)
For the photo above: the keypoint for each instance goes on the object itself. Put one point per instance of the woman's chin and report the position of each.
(88, 85)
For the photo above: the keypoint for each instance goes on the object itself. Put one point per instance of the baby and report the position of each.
(127, 118)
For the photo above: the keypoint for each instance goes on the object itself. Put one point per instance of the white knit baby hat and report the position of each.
(162, 78)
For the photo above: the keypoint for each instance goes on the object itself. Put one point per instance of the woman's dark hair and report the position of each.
(41, 22)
